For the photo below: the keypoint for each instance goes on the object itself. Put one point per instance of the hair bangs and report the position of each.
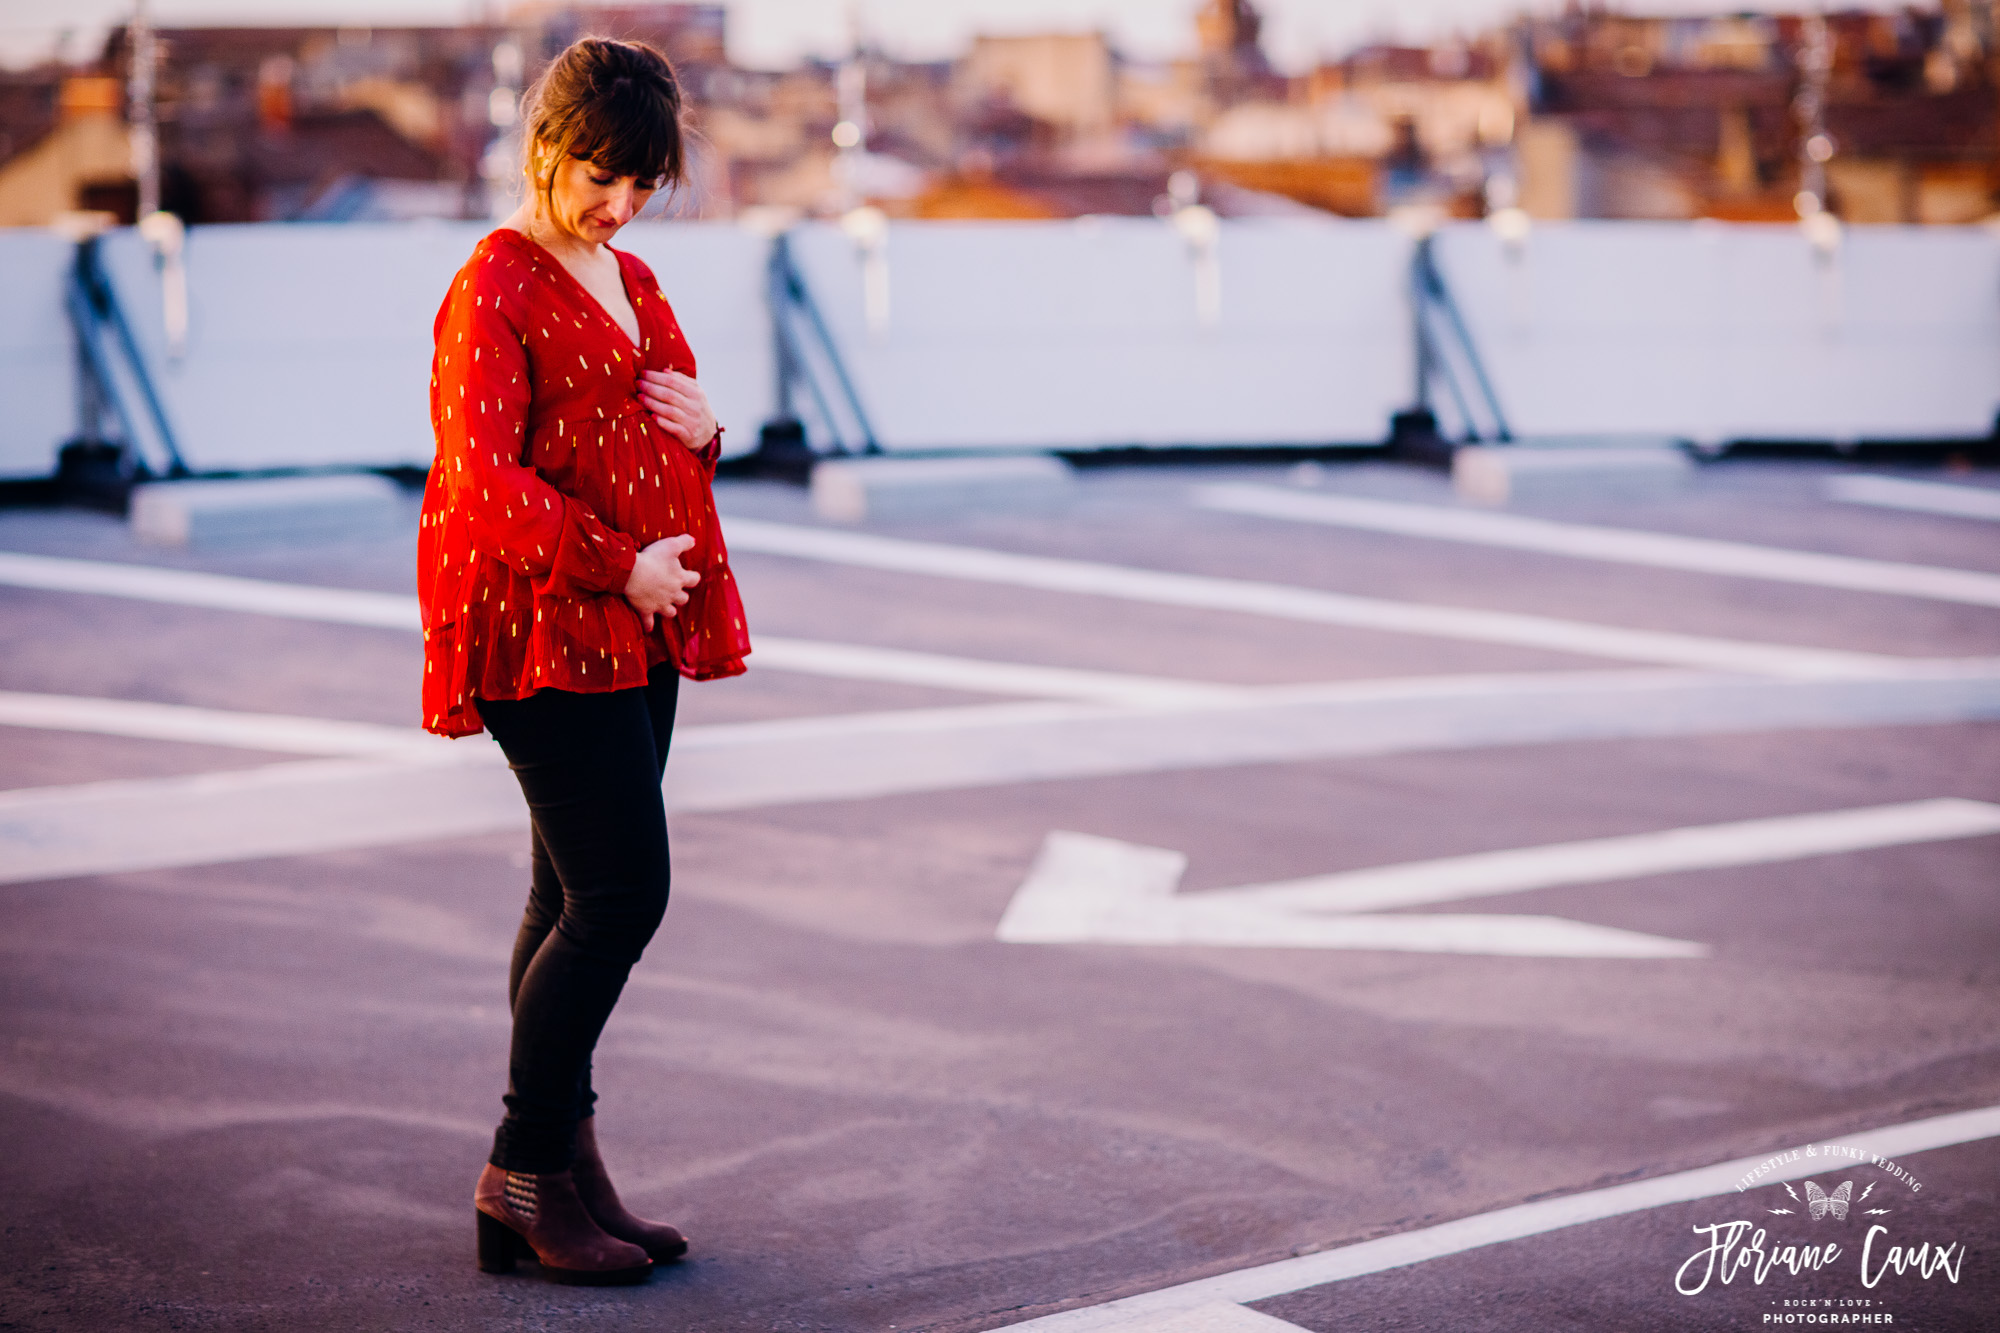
(629, 130)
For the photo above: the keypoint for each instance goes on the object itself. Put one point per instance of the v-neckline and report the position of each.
(618, 256)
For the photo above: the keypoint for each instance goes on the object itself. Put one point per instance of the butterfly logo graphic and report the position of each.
(1819, 1203)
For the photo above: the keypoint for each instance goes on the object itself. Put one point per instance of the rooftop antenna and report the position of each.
(1816, 146)
(850, 132)
(162, 231)
(139, 86)
(865, 225)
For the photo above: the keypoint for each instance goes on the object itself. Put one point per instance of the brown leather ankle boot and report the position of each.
(593, 1185)
(523, 1216)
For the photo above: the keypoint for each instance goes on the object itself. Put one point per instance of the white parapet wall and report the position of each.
(38, 378)
(1712, 332)
(1092, 334)
(309, 345)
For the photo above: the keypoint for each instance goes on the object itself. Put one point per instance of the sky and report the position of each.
(777, 33)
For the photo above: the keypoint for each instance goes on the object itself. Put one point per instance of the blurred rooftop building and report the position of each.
(1678, 117)
(1889, 116)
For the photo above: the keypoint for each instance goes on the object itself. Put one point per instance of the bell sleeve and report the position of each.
(483, 385)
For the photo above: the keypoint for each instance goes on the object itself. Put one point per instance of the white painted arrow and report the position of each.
(1600, 860)
(1085, 889)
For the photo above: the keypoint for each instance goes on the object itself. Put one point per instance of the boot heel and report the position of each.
(498, 1244)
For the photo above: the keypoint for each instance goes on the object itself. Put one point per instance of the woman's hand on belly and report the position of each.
(679, 405)
(659, 583)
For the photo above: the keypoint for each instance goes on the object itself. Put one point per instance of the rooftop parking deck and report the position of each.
(257, 926)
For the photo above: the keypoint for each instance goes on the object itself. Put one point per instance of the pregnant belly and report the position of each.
(637, 479)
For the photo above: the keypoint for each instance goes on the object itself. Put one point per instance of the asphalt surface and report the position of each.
(255, 1094)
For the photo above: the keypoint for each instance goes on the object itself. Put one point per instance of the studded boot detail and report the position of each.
(540, 1216)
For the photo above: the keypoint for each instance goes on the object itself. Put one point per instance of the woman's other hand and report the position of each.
(679, 405)
(659, 583)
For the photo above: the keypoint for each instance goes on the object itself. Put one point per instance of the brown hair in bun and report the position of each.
(613, 103)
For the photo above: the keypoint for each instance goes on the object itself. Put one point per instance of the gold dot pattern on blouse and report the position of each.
(546, 493)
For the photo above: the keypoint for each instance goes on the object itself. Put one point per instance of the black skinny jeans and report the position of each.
(590, 766)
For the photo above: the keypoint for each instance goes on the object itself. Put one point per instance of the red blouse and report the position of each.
(550, 475)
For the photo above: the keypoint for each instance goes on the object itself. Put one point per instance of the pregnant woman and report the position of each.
(571, 570)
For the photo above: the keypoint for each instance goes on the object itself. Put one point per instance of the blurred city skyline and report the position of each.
(777, 34)
(1878, 117)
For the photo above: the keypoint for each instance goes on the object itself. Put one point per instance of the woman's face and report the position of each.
(589, 202)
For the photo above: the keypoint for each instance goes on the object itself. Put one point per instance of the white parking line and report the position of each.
(1294, 603)
(221, 592)
(1623, 545)
(1157, 1310)
(320, 805)
(856, 661)
(395, 611)
(211, 726)
(291, 809)
(381, 610)
(1923, 497)
(1222, 1318)
(1600, 860)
